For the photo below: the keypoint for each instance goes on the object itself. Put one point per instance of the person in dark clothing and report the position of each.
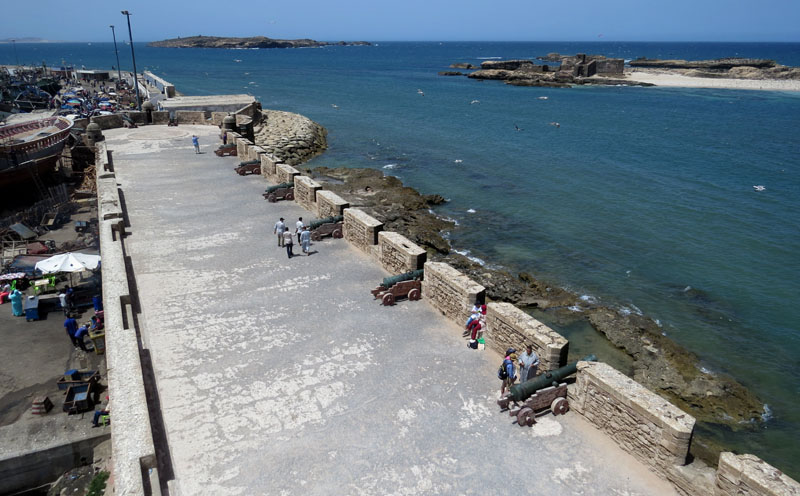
(71, 325)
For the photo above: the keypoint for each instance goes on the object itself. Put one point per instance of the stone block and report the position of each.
(450, 291)
(646, 425)
(161, 117)
(190, 117)
(507, 325)
(329, 204)
(398, 254)
(749, 474)
(361, 230)
(242, 149)
(268, 163)
(305, 192)
(285, 173)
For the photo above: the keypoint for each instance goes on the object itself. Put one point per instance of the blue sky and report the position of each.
(398, 20)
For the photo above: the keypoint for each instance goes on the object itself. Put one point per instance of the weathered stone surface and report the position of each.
(268, 163)
(450, 291)
(361, 229)
(644, 424)
(398, 254)
(290, 138)
(508, 326)
(329, 204)
(242, 145)
(750, 475)
(286, 173)
(305, 192)
(190, 117)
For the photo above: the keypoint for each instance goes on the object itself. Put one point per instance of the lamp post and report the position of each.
(133, 56)
(119, 71)
(14, 44)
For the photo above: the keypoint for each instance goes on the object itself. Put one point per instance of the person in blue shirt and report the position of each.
(16, 303)
(71, 325)
(196, 143)
(509, 362)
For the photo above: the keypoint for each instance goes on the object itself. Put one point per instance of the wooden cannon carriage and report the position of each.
(553, 398)
(283, 191)
(249, 167)
(226, 150)
(330, 226)
(408, 285)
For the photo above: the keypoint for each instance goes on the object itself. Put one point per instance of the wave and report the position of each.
(471, 211)
(390, 166)
(575, 308)
(488, 58)
(466, 253)
(588, 299)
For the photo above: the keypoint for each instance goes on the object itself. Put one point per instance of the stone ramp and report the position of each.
(280, 376)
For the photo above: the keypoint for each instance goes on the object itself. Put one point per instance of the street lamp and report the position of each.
(133, 56)
(119, 71)
(14, 44)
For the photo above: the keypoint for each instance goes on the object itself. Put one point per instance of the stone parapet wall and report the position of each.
(329, 204)
(450, 291)
(160, 117)
(107, 121)
(305, 192)
(137, 117)
(268, 171)
(217, 117)
(191, 117)
(398, 254)
(749, 474)
(285, 173)
(361, 229)
(242, 145)
(132, 444)
(647, 426)
(509, 326)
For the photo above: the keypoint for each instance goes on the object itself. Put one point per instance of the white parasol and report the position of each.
(68, 262)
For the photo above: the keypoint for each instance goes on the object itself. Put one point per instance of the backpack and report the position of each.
(502, 372)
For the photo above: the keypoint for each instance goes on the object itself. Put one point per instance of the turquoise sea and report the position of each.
(642, 199)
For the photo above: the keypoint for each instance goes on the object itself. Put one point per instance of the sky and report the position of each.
(411, 20)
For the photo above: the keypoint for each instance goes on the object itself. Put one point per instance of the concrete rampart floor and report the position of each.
(281, 376)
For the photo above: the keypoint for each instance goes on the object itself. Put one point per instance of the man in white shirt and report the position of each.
(279, 228)
(298, 229)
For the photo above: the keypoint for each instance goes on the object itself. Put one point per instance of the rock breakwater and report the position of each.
(291, 138)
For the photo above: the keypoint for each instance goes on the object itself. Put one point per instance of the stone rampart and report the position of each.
(647, 426)
(191, 117)
(361, 230)
(107, 121)
(398, 254)
(749, 474)
(305, 192)
(137, 117)
(131, 434)
(242, 150)
(268, 163)
(160, 117)
(507, 325)
(285, 173)
(290, 138)
(217, 117)
(329, 204)
(450, 291)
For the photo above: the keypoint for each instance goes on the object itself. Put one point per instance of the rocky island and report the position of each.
(250, 42)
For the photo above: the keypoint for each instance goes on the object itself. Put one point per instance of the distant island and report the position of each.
(251, 42)
(25, 40)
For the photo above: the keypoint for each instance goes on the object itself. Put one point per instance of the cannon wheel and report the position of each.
(388, 299)
(315, 236)
(289, 196)
(337, 233)
(413, 295)
(560, 406)
(257, 170)
(271, 198)
(526, 417)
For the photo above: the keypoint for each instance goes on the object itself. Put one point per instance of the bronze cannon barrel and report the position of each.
(523, 391)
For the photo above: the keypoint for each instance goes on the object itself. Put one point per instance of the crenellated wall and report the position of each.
(507, 326)
(305, 192)
(285, 173)
(749, 474)
(450, 291)
(361, 230)
(329, 204)
(647, 426)
(242, 147)
(398, 254)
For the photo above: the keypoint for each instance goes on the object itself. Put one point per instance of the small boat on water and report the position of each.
(30, 148)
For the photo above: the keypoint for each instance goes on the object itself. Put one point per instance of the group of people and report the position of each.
(528, 363)
(286, 238)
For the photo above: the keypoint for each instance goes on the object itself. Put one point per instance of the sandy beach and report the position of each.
(681, 81)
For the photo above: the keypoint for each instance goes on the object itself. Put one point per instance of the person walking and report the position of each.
(196, 143)
(287, 241)
(298, 228)
(305, 240)
(16, 303)
(62, 299)
(528, 364)
(71, 325)
(279, 228)
(510, 373)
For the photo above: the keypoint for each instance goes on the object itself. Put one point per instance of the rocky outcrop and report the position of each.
(716, 64)
(451, 73)
(463, 65)
(291, 138)
(251, 42)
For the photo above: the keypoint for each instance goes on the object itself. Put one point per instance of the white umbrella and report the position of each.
(68, 262)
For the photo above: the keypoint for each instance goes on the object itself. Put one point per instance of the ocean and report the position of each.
(641, 199)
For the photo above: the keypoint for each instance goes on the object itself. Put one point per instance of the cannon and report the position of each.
(223, 150)
(283, 191)
(541, 392)
(330, 226)
(249, 167)
(401, 286)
